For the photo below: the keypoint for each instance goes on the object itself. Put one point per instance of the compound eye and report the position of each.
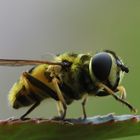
(101, 65)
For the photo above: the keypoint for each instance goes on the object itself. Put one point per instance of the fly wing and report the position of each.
(18, 62)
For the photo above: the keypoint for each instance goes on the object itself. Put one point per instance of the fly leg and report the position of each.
(38, 84)
(56, 79)
(83, 106)
(30, 110)
(122, 91)
(62, 106)
(103, 86)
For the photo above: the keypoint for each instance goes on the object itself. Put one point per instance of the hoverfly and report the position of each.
(69, 77)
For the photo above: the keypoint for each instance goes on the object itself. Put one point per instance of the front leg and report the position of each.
(122, 91)
(103, 86)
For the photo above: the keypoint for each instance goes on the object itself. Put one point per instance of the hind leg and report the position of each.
(43, 88)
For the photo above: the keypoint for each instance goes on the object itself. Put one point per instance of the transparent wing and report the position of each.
(18, 62)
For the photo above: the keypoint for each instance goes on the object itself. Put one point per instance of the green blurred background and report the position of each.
(36, 28)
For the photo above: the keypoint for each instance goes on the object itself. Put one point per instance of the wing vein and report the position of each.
(18, 62)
